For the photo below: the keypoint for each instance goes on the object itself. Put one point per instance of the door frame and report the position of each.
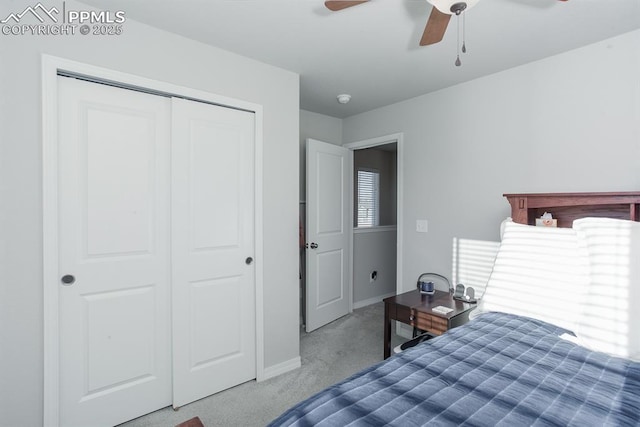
(398, 138)
(51, 67)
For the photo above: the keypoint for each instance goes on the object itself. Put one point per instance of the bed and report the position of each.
(554, 342)
(499, 369)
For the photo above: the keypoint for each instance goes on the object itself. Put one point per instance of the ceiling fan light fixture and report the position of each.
(451, 7)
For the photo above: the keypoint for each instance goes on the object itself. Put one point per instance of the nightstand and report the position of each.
(415, 309)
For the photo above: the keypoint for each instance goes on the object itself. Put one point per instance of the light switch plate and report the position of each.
(422, 226)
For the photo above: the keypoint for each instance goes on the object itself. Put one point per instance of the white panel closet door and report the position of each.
(212, 245)
(113, 201)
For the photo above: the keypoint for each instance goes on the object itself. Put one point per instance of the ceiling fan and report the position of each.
(438, 20)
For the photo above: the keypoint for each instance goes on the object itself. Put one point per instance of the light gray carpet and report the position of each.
(329, 354)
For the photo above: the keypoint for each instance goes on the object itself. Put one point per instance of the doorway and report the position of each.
(374, 223)
(373, 246)
(341, 186)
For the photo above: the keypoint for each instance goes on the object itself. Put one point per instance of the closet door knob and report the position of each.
(68, 280)
(314, 246)
(248, 261)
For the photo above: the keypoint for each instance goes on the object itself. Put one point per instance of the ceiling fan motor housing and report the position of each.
(458, 8)
(453, 7)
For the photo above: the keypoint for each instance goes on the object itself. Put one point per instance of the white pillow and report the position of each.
(540, 272)
(610, 321)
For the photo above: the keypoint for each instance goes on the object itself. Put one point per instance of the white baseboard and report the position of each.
(280, 368)
(370, 301)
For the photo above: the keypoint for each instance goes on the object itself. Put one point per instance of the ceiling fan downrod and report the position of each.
(457, 9)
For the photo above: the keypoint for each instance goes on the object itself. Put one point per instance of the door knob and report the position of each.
(248, 261)
(314, 245)
(67, 279)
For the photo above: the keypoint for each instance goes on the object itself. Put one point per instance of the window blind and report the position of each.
(368, 198)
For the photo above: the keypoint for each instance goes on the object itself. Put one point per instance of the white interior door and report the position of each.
(329, 175)
(114, 258)
(212, 247)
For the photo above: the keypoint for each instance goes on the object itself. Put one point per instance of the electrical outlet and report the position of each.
(373, 276)
(422, 225)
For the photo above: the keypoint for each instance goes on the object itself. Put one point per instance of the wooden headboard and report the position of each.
(566, 207)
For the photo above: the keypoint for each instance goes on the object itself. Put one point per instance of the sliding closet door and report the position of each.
(212, 248)
(114, 253)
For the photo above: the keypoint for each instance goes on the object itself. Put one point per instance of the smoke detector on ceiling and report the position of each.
(344, 98)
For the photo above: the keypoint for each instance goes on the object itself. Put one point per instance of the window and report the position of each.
(368, 198)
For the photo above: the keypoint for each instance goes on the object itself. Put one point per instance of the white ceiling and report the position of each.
(371, 51)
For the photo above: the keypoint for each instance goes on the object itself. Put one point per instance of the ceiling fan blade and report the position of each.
(436, 26)
(342, 4)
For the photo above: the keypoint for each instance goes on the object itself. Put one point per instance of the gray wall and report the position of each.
(373, 250)
(159, 55)
(566, 123)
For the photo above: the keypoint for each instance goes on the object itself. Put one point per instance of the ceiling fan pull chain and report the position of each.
(464, 32)
(458, 62)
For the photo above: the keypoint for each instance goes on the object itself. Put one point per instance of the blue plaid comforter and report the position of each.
(498, 370)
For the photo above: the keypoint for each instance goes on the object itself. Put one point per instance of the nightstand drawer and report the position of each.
(423, 321)
(404, 315)
(438, 325)
(414, 318)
